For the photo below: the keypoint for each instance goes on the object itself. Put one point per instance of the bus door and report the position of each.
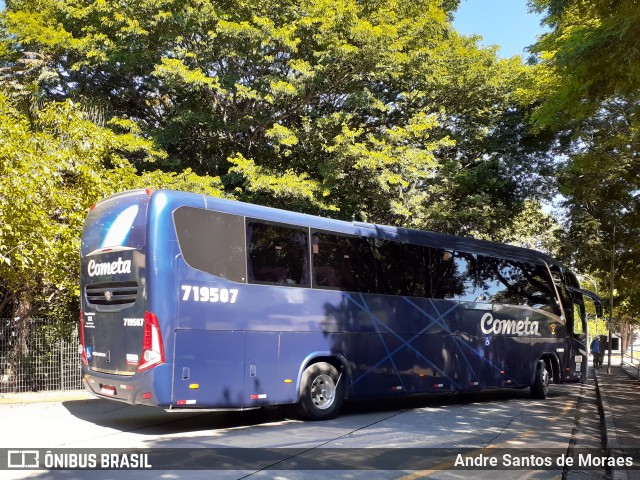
(578, 328)
(578, 333)
(573, 333)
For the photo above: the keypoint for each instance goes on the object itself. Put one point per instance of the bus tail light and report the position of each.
(152, 346)
(82, 349)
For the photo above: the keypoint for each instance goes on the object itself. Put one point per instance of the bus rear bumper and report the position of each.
(134, 390)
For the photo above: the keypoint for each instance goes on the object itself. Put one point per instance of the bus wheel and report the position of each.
(321, 392)
(540, 387)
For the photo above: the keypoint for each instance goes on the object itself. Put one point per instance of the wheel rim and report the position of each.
(323, 391)
(545, 380)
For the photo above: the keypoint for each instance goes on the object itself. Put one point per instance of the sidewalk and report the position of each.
(38, 397)
(619, 393)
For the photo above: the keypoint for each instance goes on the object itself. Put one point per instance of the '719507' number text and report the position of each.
(209, 294)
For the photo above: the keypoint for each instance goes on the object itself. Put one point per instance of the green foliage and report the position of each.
(532, 228)
(594, 50)
(377, 111)
(587, 88)
(52, 168)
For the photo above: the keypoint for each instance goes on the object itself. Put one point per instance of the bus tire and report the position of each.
(321, 392)
(540, 387)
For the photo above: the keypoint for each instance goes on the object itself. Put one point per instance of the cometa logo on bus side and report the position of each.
(109, 268)
(489, 325)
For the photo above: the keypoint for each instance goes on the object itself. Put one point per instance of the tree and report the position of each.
(374, 111)
(587, 84)
(593, 47)
(52, 168)
(533, 228)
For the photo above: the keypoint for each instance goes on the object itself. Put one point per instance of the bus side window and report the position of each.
(538, 291)
(439, 272)
(460, 281)
(343, 262)
(212, 242)
(277, 254)
(500, 281)
(401, 268)
(578, 315)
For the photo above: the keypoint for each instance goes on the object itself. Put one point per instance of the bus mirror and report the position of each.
(599, 311)
(597, 301)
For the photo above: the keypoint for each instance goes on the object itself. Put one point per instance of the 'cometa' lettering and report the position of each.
(109, 268)
(489, 325)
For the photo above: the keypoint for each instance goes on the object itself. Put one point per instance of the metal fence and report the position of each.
(46, 358)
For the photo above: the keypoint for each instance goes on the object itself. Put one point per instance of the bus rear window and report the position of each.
(116, 222)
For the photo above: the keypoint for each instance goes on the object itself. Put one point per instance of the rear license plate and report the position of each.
(107, 390)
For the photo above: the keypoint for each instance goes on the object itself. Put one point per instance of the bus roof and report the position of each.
(174, 199)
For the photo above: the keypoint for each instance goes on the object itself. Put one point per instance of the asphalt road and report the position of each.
(479, 423)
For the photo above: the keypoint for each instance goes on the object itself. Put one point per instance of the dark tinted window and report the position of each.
(368, 265)
(277, 254)
(416, 270)
(343, 262)
(516, 283)
(500, 281)
(459, 279)
(566, 297)
(440, 273)
(538, 291)
(403, 268)
(212, 242)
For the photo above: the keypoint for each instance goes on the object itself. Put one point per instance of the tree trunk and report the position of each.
(625, 333)
(20, 326)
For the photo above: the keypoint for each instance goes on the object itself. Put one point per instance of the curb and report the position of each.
(44, 397)
(610, 437)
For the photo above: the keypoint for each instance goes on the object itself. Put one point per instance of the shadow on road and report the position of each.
(156, 421)
(472, 421)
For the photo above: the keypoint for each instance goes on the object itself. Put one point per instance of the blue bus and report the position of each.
(193, 302)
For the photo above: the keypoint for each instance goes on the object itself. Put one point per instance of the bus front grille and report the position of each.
(112, 293)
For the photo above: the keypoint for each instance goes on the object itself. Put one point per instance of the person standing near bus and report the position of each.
(595, 350)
